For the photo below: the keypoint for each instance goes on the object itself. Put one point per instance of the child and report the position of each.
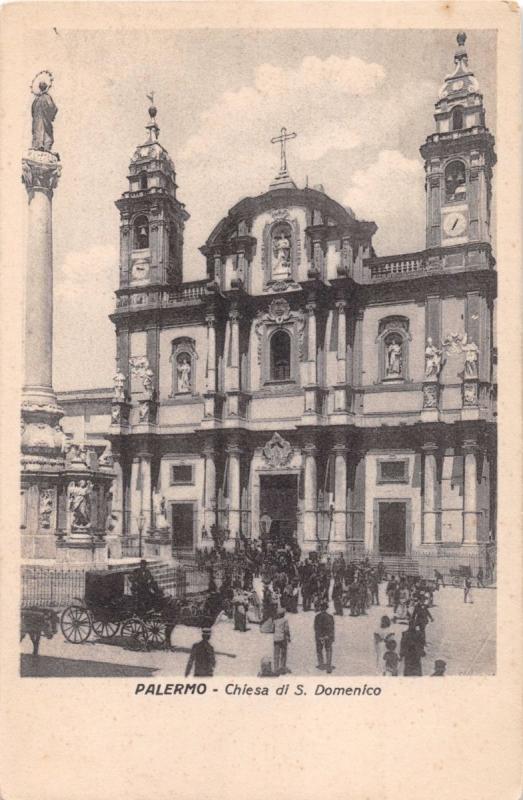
(439, 668)
(390, 658)
(266, 668)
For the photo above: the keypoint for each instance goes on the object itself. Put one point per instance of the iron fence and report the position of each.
(44, 586)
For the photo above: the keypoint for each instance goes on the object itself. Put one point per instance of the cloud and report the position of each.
(391, 192)
(332, 136)
(84, 285)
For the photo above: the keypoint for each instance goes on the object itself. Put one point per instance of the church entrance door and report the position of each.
(393, 528)
(279, 503)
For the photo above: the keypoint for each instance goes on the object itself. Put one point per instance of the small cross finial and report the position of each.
(281, 139)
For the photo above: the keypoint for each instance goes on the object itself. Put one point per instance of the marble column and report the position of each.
(310, 525)
(234, 317)
(430, 493)
(41, 171)
(211, 353)
(340, 493)
(470, 500)
(141, 495)
(311, 344)
(342, 342)
(210, 489)
(234, 490)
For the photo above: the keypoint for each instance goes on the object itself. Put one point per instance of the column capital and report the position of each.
(210, 319)
(341, 305)
(310, 449)
(340, 448)
(143, 454)
(430, 447)
(209, 451)
(310, 307)
(233, 449)
(470, 446)
(234, 315)
(40, 172)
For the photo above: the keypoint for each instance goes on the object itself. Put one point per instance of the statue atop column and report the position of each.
(43, 112)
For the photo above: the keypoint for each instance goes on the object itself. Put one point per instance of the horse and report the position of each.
(38, 622)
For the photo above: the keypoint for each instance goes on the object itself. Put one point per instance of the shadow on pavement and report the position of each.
(51, 667)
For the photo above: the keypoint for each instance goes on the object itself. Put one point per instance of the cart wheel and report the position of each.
(156, 629)
(105, 630)
(136, 631)
(76, 624)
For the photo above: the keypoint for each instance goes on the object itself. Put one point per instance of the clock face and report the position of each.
(455, 224)
(140, 270)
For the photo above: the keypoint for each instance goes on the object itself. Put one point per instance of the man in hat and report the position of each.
(282, 637)
(324, 635)
(202, 656)
(439, 668)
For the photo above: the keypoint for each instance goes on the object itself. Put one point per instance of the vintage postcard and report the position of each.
(258, 274)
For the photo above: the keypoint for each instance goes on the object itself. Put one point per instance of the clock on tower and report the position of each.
(458, 161)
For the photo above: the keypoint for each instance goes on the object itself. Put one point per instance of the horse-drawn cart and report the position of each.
(109, 608)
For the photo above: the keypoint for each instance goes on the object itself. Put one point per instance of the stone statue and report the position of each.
(43, 112)
(119, 387)
(160, 518)
(471, 351)
(184, 375)
(394, 358)
(80, 503)
(148, 383)
(432, 360)
(282, 255)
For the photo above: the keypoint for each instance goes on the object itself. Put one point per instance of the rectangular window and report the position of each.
(181, 474)
(393, 471)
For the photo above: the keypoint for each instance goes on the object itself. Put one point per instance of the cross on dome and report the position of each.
(282, 139)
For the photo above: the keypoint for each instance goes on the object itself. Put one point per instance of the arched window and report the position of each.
(143, 180)
(455, 181)
(280, 356)
(141, 233)
(457, 118)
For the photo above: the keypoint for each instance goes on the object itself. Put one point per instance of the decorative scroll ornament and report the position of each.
(279, 313)
(277, 452)
(40, 172)
(430, 395)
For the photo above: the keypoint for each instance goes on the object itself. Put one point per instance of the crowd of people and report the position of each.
(290, 582)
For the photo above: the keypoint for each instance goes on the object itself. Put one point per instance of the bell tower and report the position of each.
(152, 219)
(459, 158)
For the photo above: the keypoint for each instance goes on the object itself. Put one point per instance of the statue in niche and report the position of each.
(184, 373)
(43, 112)
(394, 357)
(281, 250)
(471, 351)
(432, 360)
(80, 503)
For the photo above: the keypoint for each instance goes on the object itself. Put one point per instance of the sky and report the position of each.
(361, 103)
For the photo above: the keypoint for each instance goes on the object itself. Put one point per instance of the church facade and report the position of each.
(307, 387)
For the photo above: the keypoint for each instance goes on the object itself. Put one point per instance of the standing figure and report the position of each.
(411, 651)
(43, 111)
(80, 503)
(184, 375)
(282, 637)
(337, 597)
(202, 656)
(394, 357)
(432, 360)
(391, 658)
(471, 351)
(148, 383)
(324, 636)
(467, 590)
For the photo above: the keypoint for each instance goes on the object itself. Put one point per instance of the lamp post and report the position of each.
(141, 525)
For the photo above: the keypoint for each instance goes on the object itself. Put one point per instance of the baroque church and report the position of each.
(306, 387)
